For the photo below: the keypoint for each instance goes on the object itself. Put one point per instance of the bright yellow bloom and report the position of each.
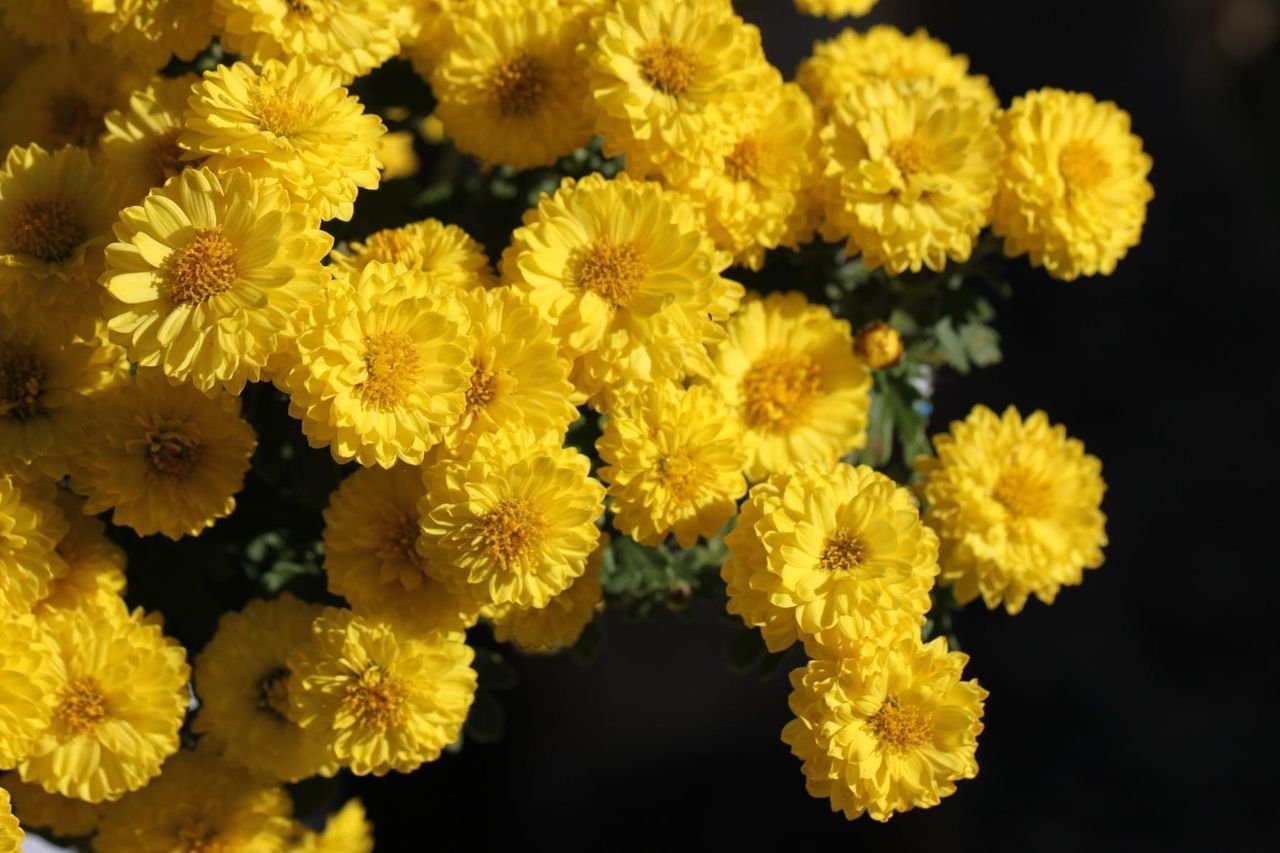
(560, 623)
(200, 802)
(1017, 505)
(292, 123)
(383, 369)
(371, 556)
(53, 102)
(165, 458)
(445, 251)
(788, 369)
(118, 702)
(674, 461)
(910, 173)
(835, 8)
(514, 522)
(30, 527)
(206, 274)
(95, 564)
(63, 817)
(1074, 189)
(348, 831)
(56, 22)
(886, 733)
(395, 152)
(149, 33)
(140, 146)
(11, 834)
(381, 697)
(27, 678)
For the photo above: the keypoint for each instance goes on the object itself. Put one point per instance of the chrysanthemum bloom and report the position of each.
(165, 458)
(788, 369)
(371, 556)
(910, 172)
(1074, 189)
(851, 59)
(148, 33)
(846, 560)
(206, 274)
(347, 831)
(835, 8)
(353, 36)
(62, 817)
(11, 834)
(242, 679)
(674, 461)
(511, 89)
(52, 102)
(95, 564)
(119, 699)
(560, 623)
(27, 678)
(1017, 505)
(200, 802)
(432, 31)
(57, 22)
(445, 251)
(879, 345)
(381, 697)
(30, 527)
(140, 146)
(886, 733)
(383, 369)
(291, 123)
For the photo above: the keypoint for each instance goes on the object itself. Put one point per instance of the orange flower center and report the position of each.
(842, 551)
(668, 67)
(173, 448)
(519, 86)
(279, 113)
(912, 155)
(392, 367)
(165, 155)
(47, 229)
(81, 706)
(22, 377)
(1024, 494)
(400, 541)
(512, 530)
(273, 692)
(202, 269)
(899, 728)
(1083, 164)
(779, 388)
(612, 271)
(684, 475)
(376, 699)
(483, 388)
(75, 121)
(745, 161)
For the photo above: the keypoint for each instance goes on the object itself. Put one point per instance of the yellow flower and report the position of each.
(53, 102)
(118, 702)
(292, 123)
(165, 458)
(383, 369)
(852, 59)
(514, 522)
(561, 622)
(200, 802)
(11, 834)
(63, 817)
(395, 151)
(149, 33)
(674, 461)
(886, 733)
(348, 831)
(205, 274)
(95, 564)
(835, 8)
(140, 146)
(56, 22)
(836, 558)
(1017, 506)
(445, 251)
(433, 30)
(1074, 189)
(371, 557)
(30, 527)
(788, 369)
(879, 346)
(382, 698)
(910, 174)
(27, 678)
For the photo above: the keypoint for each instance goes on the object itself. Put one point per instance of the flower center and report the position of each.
(1023, 494)
(912, 155)
(273, 692)
(21, 380)
(511, 530)
(667, 66)
(198, 835)
(779, 388)
(202, 269)
(279, 113)
(400, 541)
(483, 388)
(611, 270)
(75, 121)
(899, 728)
(375, 699)
(390, 245)
(47, 229)
(683, 474)
(173, 448)
(1083, 164)
(746, 159)
(392, 365)
(842, 551)
(81, 706)
(166, 156)
(519, 86)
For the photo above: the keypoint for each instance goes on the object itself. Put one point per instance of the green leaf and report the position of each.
(952, 344)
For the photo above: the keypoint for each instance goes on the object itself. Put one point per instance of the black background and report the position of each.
(1131, 710)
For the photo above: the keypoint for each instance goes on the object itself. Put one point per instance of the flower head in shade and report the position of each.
(452, 257)
(95, 564)
(62, 817)
(148, 33)
(140, 145)
(31, 526)
(57, 22)
(347, 831)
(52, 102)
(28, 675)
(559, 623)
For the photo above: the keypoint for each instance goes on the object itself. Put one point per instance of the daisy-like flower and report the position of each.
(294, 124)
(27, 676)
(560, 623)
(206, 274)
(1017, 505)
(30, 528)
(148, 33)
(835, 8)
(789, 371)
(383, 369)
(674, 461)
(140, 145)
(452, 257)
(11, 833)
(382, 699)
(910, 174)
(836, 558)
(52, 102)
(62, 817)
(200, 802)
(242, 679)
(433, 31)
(510, 88)
(348, 831)
(95, 564)
(119, 698)
(514, 522)
(1074, 189)
(371, 556)
(165, 458)
(892, 731)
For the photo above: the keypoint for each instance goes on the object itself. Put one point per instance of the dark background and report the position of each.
(1129, 711)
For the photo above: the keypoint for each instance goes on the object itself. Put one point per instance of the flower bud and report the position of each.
(879, 346)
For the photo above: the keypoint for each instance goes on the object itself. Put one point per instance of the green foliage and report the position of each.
(641, 579)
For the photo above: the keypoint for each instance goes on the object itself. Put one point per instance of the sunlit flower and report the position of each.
(28, 676)
(140, 145)
(452, 257)
(559, 623)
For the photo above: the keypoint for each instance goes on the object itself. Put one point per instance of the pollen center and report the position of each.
(375, 699)
(511, 530)
(81, 706)
(683, 474)
(519, 86)
(610, 270)
(75, 121)
(392, 365)
(483, 388)
(842, 551)
(1083, 164)
(744, 162)
(166, 156)
(779, 388)
(199, 835)
(390, 245)
(47, 229)
(899, 728)
(667, 66)
(173, 448)
(912, 155)
(1023, 494)
(202, 269)
(273, 692)
(400, 541)
(22, 377)
(279, 113)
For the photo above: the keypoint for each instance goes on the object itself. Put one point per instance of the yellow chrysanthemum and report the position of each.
(1074, 189)
(28, 676)
(242, 679)
(396, 153)
(560, 623)
(348, 831)
(445, 251)
(852, 59)
(200, 802)
(149, 33)
(892, 731)
(879, 345)
(835, 8)
(382, 698)
(55, 22)
(95, 564)
(384, 368)
(788, 369)
(11, 834)
(514, 522)
(63, 817)
(292, 123)
(15, 53)
(910, 174)
(836, 558)
(371, 556)
(1017, 505)
(206, 274)
(140, 146)
(510, 89)
(118, 702)
(433, 31)
(30, 527)
(53, 102)
(674, 461)
(165, 458)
